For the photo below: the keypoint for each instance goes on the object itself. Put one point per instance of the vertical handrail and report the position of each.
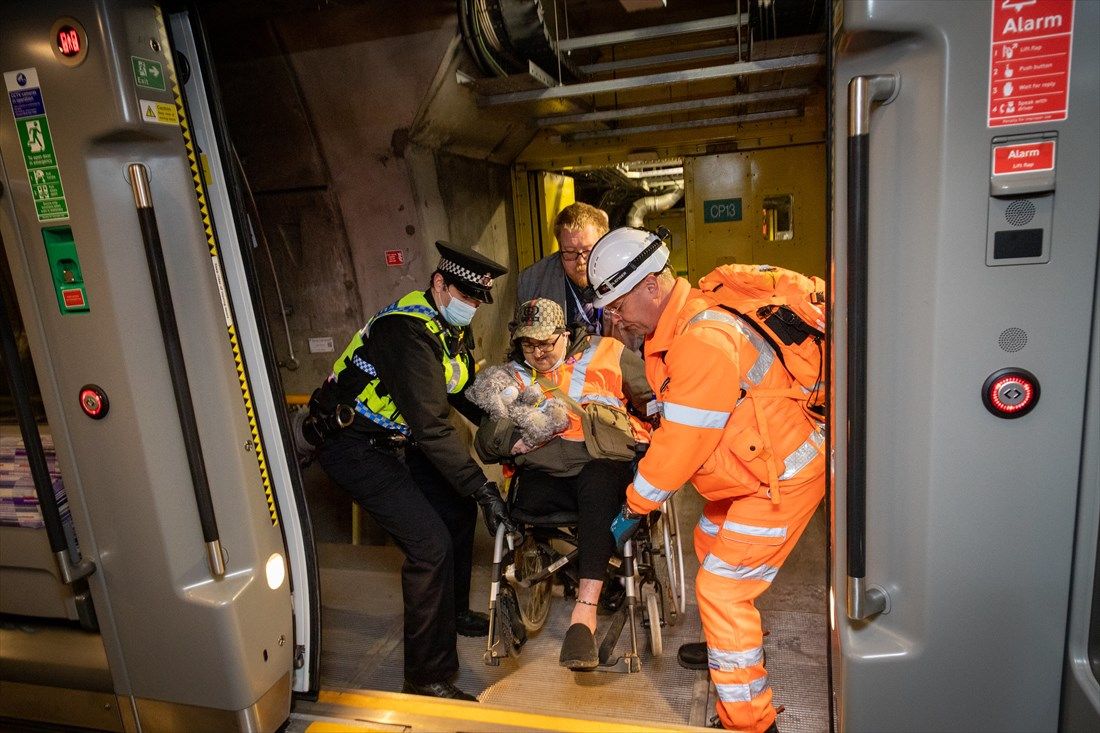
(863, 93)
(32, 442)
(150, 234)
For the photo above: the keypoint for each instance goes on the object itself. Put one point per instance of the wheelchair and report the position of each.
(651, 569)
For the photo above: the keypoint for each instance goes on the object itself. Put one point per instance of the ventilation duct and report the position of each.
(654, 204)
(505, 36)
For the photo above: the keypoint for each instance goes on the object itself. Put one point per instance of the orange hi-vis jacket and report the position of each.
(589, 375)
(729, 423)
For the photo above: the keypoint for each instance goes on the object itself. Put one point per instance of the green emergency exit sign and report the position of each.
(716, 210)
(147, 73)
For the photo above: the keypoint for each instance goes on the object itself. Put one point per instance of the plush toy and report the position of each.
(538, 418)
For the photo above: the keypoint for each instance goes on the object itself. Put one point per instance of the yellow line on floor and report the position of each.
(326, 727)
(472, 711)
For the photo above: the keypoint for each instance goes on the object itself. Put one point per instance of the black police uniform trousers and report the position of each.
(431, 524)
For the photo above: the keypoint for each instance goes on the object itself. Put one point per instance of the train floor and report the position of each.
(361, 660)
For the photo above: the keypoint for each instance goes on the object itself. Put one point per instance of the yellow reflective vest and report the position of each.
(375, 404)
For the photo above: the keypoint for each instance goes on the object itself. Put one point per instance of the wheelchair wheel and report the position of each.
(653, 619)
(674, 561)
(534, 602)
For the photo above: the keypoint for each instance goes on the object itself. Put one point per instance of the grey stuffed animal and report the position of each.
(538, 418)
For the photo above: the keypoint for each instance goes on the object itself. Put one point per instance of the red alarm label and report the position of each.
(1023, 158)
(73, 298)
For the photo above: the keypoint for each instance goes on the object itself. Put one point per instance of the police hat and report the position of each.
(470, 272)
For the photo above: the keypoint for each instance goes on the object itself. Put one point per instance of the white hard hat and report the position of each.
(621, 259)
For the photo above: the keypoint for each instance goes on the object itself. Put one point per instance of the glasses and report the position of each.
(572, 255)
(539, 347)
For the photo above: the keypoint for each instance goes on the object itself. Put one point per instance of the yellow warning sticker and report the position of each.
(160, 112)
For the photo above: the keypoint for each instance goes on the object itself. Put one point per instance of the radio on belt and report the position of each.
(1010, 393)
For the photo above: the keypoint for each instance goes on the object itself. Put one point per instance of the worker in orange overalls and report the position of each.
(757, 459)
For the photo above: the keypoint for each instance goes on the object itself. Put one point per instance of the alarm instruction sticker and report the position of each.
(161, 112)
(36, 143)
(1029, 61)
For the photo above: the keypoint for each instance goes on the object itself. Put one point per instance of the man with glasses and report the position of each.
(563, 277)
(382, 425)
(731, 423)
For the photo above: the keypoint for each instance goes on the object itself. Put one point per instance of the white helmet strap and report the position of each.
(609, 284)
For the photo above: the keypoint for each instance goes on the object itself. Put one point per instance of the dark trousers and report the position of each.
(432, 525)
(596, 494)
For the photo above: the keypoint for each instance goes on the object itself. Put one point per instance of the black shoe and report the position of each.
(578, 651)
(693, 655)
(472, 623)
(437, 689)
(611, 597)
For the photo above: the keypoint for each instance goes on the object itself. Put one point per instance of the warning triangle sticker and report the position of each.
(149, 112)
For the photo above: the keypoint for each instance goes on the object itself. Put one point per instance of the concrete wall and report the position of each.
(320, 106)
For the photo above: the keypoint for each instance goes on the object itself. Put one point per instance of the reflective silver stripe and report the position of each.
(725, 660)
(647, 490)
(753, 531)
(602, 399)
(765, 356)
(694, 416)
(742, 693)
(717, 566)
(580, 372)
(803, 455)
(523, 374)
(456, 375)
(708, 527)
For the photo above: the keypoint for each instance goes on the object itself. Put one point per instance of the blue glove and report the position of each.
(624, 526)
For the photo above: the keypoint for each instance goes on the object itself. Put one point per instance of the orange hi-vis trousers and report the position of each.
(741, 544)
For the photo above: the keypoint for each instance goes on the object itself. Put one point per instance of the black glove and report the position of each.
(492, 508)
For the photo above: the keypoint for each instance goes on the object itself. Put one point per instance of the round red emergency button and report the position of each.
(1010, 393)
(93, 400)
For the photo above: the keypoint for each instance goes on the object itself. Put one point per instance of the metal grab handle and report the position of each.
(32, 442)
(150, 234)
(863, 93)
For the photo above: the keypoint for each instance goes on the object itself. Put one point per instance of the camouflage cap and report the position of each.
(538, 319)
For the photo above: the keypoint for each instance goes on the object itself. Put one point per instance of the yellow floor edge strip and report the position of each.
(471, 711)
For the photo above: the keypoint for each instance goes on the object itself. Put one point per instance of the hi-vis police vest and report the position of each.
(375, 404)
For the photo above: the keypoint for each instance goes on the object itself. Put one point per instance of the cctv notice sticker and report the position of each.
(29, 109)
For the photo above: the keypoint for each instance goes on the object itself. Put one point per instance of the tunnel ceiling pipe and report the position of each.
(647, 205)
(506, 36)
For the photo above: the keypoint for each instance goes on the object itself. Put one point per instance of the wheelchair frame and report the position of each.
(644, 558)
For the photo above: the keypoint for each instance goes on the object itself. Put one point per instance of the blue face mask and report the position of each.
(458, 312)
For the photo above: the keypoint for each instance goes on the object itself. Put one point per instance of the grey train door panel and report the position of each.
(966, 260)
(92, 135)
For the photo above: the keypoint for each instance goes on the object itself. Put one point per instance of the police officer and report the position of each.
(381, 420)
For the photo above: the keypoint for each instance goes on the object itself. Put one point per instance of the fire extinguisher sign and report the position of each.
(1029, 61)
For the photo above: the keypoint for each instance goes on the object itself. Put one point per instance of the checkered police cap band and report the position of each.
(463, 273)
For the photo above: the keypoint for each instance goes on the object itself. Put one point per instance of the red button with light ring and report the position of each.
(1010, 393)
(93, 400)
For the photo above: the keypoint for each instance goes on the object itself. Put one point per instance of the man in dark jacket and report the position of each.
(563, 276)
(381, 420)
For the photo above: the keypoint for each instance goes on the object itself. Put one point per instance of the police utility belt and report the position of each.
(326, 420)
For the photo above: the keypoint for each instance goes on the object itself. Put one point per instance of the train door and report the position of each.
(163, 410)
(965, 261)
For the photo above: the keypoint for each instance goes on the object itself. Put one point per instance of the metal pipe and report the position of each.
(647, 205)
